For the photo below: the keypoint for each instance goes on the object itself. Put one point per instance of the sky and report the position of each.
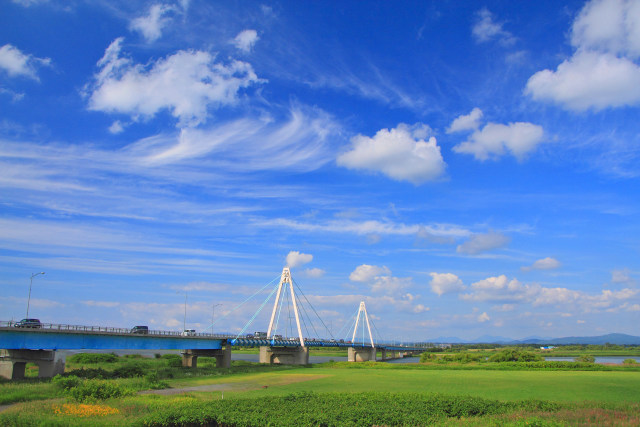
(466, 168)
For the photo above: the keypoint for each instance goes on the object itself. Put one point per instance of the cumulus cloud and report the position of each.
(296, 259)
(547, 263)
(365, 273)
(478, 243)
(401, 153)
(495, 140)
(484, 317)
(245, 40)
(486, 29)
(314, 273)
(503, 290)
(444, 283)
(622, 277)
(420, 309)
(380, 279)
(16, 63)
(603, 71)
(186, 83)
(588, 80)
(470, 121)
(151, 25)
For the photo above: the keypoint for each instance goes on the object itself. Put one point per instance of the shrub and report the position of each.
(91, 390)
(629, 362)
(98, 373)
(94, 358)
(585, 358)
(65, 383)
(128, 371)
(427, 357)
(515, 355)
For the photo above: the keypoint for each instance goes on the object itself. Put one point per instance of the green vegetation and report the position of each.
(585, 358)
(459, 388)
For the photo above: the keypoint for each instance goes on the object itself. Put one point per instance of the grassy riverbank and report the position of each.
(376, 394)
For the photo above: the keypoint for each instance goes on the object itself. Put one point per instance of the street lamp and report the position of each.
(31, 284)
(213, 312)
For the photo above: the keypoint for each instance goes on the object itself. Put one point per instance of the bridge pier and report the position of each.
(223, 357)
(14, 362)
(362, 354)
(284, 355)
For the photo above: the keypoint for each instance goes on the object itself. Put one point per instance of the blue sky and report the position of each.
(465, 168)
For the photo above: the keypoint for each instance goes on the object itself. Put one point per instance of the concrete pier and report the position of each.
(13, 363)
(362, 354)
(223, 357)
(284, 355)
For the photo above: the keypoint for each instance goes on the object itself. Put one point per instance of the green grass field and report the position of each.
(563, 386)
(585, 397)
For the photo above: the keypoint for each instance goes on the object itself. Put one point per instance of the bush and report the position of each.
(92, 373)
(515, 355)
(629, 362)
(92, 390)
(585, 358)
(173, 360)
(129, 371)
(65, 383)
(94, 358)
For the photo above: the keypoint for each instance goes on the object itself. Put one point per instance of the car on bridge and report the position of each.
(189, 333)
(140, 330)
(28, 323)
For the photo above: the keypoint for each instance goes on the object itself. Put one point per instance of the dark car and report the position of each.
(140, 330)
(29, 323)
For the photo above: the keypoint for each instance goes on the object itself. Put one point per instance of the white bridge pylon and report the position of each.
(285, 280)
(362, 309)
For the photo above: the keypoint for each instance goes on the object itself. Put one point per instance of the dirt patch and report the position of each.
(280, 380)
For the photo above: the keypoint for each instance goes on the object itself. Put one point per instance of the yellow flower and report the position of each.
(84, 410)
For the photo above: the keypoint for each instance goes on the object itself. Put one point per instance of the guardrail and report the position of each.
(56, 327)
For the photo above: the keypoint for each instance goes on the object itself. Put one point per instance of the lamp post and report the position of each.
(30, 285)
(213, 312)
(184, 321)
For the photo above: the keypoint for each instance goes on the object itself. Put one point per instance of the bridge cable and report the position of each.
(242, 303)
(257, 312)
(345, 325)
(314, 310)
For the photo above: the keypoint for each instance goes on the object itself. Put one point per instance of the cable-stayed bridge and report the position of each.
(294, 328)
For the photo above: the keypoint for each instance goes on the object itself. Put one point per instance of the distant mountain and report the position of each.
(617, 339)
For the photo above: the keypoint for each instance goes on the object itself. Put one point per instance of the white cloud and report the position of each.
(314, 272)
(588, 80)
(547, 263)
(420, 309)
(602, 72)
(486, 29)
(484, 317)
(245, 40)
(186, 83)
(608, 26)
(296, 259)
(301, 141)
(401, 153)
(380, 279)
(365, 273)
(483, 242)
(501, 289)
(15, 63)
(622, 276)
(444, 283)
(116, 127)
(495, 139)
(151, 25)
(470, 121)
(107, 304)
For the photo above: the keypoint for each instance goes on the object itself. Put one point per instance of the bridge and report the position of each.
(39, 343)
